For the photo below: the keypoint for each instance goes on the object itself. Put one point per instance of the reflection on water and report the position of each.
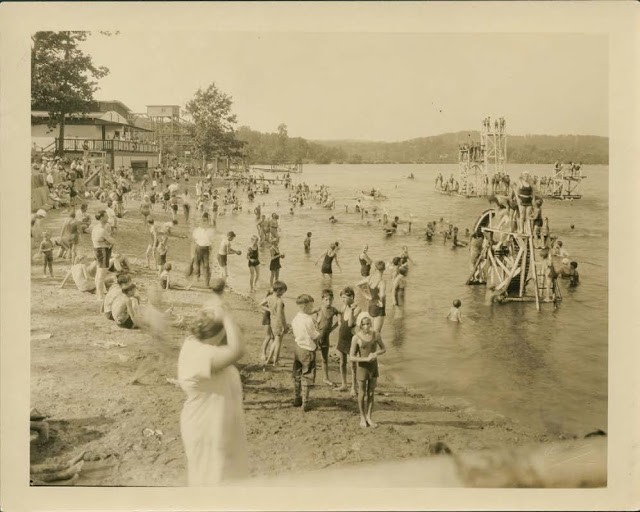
(546, 368)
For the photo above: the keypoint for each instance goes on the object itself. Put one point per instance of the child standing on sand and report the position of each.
(454, 313)
(46, 248)
(345, 334)
(366, 346)
(278, 320)
(145, 209)
(162, 250)
(305, 335)
(266, 321)
(327, 322)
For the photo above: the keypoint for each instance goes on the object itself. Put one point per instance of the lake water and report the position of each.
(547, 369)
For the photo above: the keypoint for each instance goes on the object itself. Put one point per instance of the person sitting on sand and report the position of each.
(81, 276)
(115, 290)
(124, 307)
(366, 346)
(83, 219)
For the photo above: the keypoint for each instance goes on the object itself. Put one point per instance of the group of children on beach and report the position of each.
(359, 345)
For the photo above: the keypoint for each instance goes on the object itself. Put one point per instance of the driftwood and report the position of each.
(570, 464)
(66, 473)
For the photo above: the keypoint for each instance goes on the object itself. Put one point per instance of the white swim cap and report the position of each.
(41, 213)
(565, 261)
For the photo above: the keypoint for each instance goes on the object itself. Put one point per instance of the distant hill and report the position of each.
(532, 149)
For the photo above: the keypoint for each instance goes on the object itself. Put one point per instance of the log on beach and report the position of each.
(570, 464)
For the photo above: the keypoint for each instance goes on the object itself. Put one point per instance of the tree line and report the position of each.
(525, 149)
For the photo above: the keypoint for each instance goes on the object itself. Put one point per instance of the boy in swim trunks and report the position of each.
(327, 321)
(224, 251)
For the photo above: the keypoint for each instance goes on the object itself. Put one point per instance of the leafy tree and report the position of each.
(213, 123)
(62, 76)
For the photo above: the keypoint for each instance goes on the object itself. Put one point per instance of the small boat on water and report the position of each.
(373, 195)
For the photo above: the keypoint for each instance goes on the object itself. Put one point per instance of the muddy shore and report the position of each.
(80, 379)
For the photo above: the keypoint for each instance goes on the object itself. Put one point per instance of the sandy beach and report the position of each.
(130, 433)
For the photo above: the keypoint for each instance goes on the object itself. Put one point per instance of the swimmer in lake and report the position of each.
(455, 314)
(397, 292)
(307, 243)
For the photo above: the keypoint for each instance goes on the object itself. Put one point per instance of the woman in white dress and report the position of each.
(212, 421)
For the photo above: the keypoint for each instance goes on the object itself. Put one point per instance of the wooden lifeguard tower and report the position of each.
(508, 264)
(479, 161)
(565, 183)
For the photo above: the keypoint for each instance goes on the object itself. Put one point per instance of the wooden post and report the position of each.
(523, 265)
(532, 263)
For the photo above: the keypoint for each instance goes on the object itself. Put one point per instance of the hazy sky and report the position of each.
(374, 86)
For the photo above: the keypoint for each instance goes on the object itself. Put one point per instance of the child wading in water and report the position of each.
(307, 243)
(366, 346)
(305, 335)
(454, 313)
(275, 265)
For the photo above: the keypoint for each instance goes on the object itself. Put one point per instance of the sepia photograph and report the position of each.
(318, 258)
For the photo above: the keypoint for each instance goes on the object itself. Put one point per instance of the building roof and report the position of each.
(115, 101)
(110, 118)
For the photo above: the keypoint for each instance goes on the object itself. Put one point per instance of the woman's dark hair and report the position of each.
(380, 265)
(100, 214)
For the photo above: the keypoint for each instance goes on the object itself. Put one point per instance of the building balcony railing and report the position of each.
(111, 145)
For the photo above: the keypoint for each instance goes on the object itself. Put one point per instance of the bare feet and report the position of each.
(341, 388)
(328, 382)
(363, 423)
(372, 424)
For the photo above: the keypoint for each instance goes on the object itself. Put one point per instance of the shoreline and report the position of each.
(79, 379)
